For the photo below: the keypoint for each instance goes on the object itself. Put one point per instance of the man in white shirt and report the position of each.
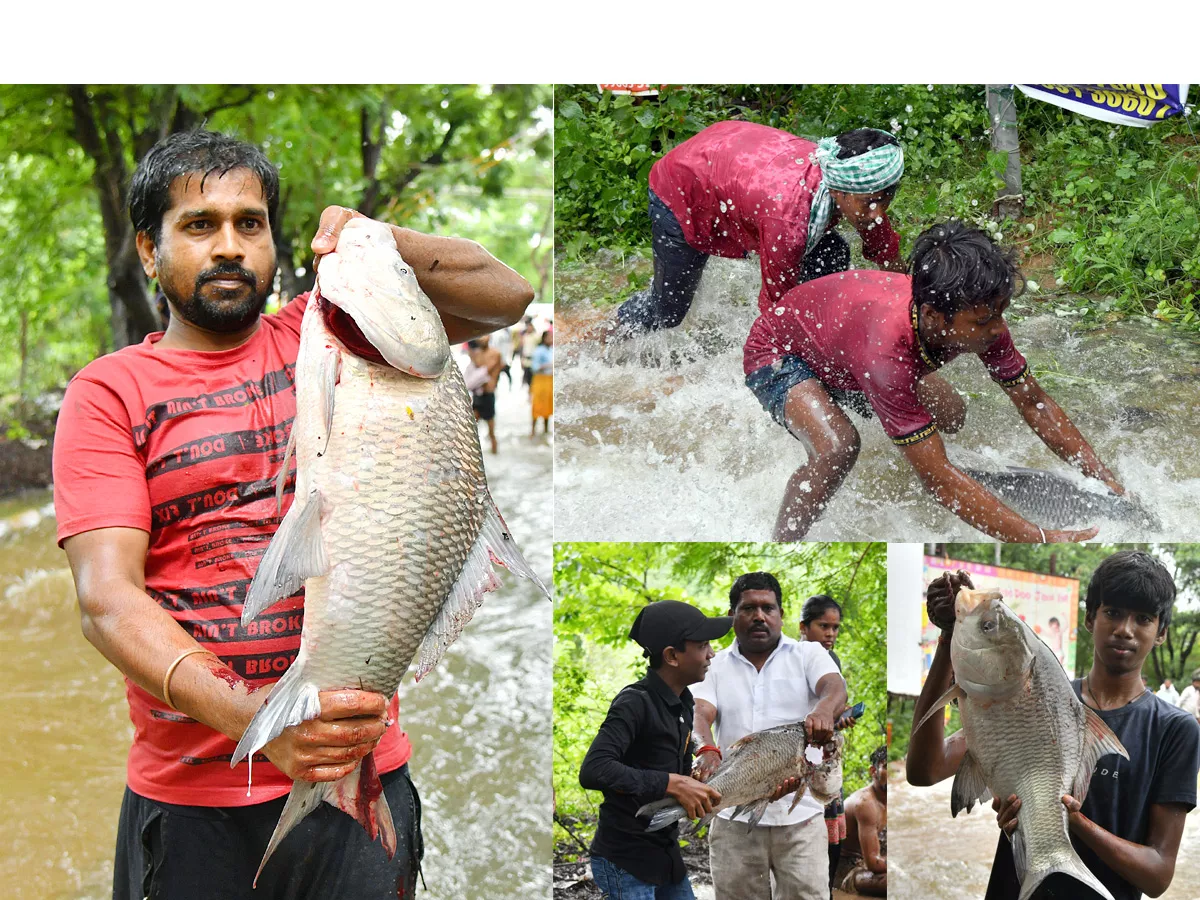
(765, 679)
(1189, 700)
(1167, 692)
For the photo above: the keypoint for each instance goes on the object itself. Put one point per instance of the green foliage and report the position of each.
(1116, 209)
(469, 160)
(600, 588)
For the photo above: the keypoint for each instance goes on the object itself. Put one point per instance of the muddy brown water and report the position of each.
(932, 855)
(479, 723)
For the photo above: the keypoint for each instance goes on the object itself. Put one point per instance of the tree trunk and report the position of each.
(134, 315)
(1002, 110)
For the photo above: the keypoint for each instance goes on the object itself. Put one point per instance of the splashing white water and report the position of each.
(659, 439)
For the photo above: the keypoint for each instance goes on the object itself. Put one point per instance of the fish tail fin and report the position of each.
(292, 701)
(494, 545)
(359, 795)
(662, 813)
(1073, 867)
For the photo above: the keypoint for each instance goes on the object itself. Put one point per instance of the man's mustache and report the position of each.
(227, 270)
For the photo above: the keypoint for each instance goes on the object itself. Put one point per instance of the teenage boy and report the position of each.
(873, 341)
(643, 752)
(740, 187)
(762, 680)
(1127, 831)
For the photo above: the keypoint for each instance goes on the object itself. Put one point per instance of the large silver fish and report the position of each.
(1054, 502)
(392, 531)
(752, 770)
(1027, 734)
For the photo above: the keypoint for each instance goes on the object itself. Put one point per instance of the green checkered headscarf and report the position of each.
(867, 173)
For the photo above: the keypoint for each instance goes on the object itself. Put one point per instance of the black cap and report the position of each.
(668, 623)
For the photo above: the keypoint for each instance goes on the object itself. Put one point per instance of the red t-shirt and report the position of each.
(738, 187)
(185, 446)
(857, 331)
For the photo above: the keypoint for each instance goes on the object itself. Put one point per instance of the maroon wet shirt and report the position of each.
(738, 187)
(858, 331)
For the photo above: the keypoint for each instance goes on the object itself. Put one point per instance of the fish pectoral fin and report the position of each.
(330, 371)
(494, 545)
(800, 791)
(296, 552)
(955, 693)
(359, 795)
(1098, 741)
(969, 786)
(281, 478)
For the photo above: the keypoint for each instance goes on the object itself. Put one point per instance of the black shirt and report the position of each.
(1164, 755)
(646, 736)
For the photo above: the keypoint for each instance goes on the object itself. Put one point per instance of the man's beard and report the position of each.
(224, 314)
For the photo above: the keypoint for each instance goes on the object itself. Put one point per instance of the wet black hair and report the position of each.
(1133, 579)
(754, 581)
(955, 267)
(879, 756)
(815, 607)
(863, 140)
(200, 153)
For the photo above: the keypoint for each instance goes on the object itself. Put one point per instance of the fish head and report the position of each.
(374, 305)
(825, 779)
(990, 650)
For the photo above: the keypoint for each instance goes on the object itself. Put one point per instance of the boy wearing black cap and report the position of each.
(643, 752)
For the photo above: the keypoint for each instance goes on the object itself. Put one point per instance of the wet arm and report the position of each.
(474, 292)
(932, 757)
(831, 700)
(868, 836)
(703, 718)
(1058, 432)
(972, 502)
(1148, 867)
(142, 639)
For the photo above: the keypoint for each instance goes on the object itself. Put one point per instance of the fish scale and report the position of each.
(391, 531)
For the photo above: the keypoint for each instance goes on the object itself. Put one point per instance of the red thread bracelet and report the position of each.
(716, 750)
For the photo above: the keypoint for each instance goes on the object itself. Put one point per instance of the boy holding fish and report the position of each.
(165, 458)
(1127, 831)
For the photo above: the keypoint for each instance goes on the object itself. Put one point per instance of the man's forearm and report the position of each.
(473, 291)
(1143, 867)
(1057, 431)
(831, 697)
(141, 639)
(925, 763)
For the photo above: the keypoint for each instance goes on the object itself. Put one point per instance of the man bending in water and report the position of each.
(862, 867)
(874, 341)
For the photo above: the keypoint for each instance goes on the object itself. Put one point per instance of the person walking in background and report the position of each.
(1168, 693)
(541, 389)
(643, 753)
(1189, 700)
(502, 340)
(527, 341)
(487, 359)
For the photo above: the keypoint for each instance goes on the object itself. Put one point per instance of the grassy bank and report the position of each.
(1112, 213)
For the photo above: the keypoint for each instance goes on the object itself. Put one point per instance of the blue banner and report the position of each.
(1121, 104)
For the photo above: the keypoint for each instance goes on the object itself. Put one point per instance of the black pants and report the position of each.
(169, 852)
(678, 267)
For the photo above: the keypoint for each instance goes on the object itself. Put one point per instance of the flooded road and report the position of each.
(931, 855)
(479, 723)
(668, 416)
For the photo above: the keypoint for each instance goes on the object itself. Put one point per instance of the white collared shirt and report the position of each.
(749, 700)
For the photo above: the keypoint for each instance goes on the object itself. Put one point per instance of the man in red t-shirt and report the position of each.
(739, 187)
(164, 463)
(873, 341)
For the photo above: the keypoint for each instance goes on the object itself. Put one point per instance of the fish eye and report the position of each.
(988, 625)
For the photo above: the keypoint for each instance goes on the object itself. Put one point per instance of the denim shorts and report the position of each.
(617, 884)
(771, 385)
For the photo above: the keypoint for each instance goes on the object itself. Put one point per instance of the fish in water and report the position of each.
(1026, 733)
(1054, 502)
(754, 768)
(392, 531)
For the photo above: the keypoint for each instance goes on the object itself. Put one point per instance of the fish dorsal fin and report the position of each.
(1098, 741)
(955, 693)
(969, 786)
(743, 741)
